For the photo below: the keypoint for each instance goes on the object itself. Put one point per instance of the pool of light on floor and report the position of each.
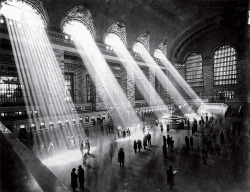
(66, 157)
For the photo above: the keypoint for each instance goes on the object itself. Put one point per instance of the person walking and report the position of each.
(164, 140)
(191, 142)
(81, 179)
(149, 138)
(171, 143)
(161, 128)
(121, 156)
(81, 147)
(170, 177)
(144, 141)
(73, 180)
(187, 141)
(164, 150)
(168, 141)
(139, 145)
(87, 146)
(135, 146)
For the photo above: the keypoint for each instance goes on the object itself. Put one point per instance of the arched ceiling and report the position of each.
(164, 19)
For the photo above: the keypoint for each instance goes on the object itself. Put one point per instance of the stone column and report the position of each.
(128, 84)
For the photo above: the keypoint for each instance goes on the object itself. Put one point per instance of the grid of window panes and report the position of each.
(226, 94)
(69, 91)
(225, 61)
(88, 88)
(194, 74)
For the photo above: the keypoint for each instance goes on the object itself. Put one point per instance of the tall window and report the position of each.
(225, 61)
(88, 88)
(69, 87)
(194, 74)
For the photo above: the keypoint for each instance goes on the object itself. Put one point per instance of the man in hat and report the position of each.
(73, 180)
(81, 176)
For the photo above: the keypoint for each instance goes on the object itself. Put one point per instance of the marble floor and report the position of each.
(146, 171)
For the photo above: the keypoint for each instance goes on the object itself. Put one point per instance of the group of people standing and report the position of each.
(123, 133)
(189, 142)
(77, 176)
(85, 149)
(146, 141)
(168, 141)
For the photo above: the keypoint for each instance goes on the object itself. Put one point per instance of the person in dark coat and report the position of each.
(188, 124)
(161, 128)
(73, 180)
(164, 150)
(87, 146)
(164, 140)
(81, 176)
(121, 156)
(149, 138)
(187, 141)
(145, 141)
(171, 143)
(135, 146)
(168, 128)
(170, 177)
(139, 145)
(168, 141)
(191, 142)
(81, 147)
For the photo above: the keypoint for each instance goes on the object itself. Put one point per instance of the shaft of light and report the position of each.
(163, 79)
(132, 68)
(180, 80)
(107, 86)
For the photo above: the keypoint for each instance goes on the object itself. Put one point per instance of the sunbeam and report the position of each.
(132, 68)
(107, 86)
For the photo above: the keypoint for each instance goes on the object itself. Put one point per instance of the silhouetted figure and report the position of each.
(164, 140)
(171, 143)
(87, 146)
(81, 147)
(188, 124)
(170, 177)
(73, 180)
(187, 141)
(139, 145)
(164, 150)
(191, 142)
(149, 138)
(168, 141)
(135, 146)
(121, 156)
(161, 128)
(81, 176)
(206, 117)
(168, 128)
(145, 141)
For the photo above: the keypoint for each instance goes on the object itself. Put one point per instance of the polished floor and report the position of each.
(146, 171)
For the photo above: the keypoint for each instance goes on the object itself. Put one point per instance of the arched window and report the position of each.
(113, 39)
(159, 54)
(117, 31)
(225, 60)
(139, 48)
(194, 75)
(24, 12)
